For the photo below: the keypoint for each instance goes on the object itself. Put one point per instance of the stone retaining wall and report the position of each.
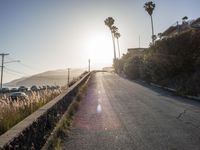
(33, 131)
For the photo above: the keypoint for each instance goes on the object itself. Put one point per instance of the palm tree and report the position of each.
(109, 22)
(114, 29)
(149, 7)
(184, 19)
(117, 36)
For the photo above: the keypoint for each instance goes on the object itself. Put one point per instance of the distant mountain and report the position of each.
(54, 77)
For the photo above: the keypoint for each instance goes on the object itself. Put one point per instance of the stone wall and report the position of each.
(33, 131)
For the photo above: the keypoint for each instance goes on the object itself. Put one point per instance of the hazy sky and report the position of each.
(57, 34)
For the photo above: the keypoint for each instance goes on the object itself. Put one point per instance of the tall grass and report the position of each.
(12, 112)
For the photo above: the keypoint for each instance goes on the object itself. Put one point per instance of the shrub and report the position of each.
(172, 62)
(132, 67)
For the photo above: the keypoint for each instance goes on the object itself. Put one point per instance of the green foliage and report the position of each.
(149, 7)
(118, 65)
(172, 62)
(132, 67)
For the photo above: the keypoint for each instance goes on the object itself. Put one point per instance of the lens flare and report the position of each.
(99, 109)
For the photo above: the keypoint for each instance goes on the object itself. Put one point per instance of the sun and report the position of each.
(99, 48)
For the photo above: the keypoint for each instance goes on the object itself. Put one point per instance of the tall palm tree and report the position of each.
(109, 22)
(149, 7)
(117, 36)
(184, 19)
(114, 29)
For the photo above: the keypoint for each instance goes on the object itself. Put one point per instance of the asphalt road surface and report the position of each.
(118, 114)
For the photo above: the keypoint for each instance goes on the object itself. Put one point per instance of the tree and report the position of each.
(160, 35)
(184, 19)
(132, 67)
(109, 22)
(149, 7)
(117, 36)
(114, 30)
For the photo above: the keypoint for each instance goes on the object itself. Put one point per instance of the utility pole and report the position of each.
(139, 41)
(68, 76)
(178, 27)
(88, 65)
(2, 66)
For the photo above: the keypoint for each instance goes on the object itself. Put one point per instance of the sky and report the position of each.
(59, 34)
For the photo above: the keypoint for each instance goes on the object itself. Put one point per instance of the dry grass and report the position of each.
(12, 112)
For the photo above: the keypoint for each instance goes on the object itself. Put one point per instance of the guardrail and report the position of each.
(33, 131)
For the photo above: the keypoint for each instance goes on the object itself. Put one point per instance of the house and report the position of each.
(136, 51)
(195, 24)
(179, 28)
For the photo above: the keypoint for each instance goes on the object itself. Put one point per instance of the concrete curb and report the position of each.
(172, 90)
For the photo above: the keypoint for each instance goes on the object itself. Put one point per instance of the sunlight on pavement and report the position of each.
(96, 113)
(99, 109)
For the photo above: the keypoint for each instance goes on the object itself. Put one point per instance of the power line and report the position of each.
(27, 66)
(24, 65)
(11, 61)
(12, 73)
(16, 71)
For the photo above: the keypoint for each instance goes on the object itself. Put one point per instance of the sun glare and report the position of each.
(100, 49)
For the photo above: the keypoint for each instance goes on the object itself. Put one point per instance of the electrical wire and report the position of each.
(16, 71)
(27, 66)
(12, 73)
(24, 65)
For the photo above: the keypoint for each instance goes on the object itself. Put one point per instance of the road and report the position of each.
(118, 114)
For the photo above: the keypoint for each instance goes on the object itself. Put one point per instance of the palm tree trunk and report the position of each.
(113, 38)
(118, 47)
(152, 30)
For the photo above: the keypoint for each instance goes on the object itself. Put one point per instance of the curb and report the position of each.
(171, 90)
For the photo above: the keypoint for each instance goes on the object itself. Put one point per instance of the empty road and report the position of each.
(118, 114)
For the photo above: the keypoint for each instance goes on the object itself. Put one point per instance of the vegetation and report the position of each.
(117, 35)
(12, 112)
(173, 62)
(109, 22)
(149, 7)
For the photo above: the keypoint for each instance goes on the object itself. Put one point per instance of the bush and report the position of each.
(132, 67)
(172, 62)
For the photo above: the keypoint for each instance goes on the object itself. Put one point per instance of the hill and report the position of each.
(53, 77)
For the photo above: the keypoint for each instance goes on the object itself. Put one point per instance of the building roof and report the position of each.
(196, 24)
(136, 49)
(172, 30)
